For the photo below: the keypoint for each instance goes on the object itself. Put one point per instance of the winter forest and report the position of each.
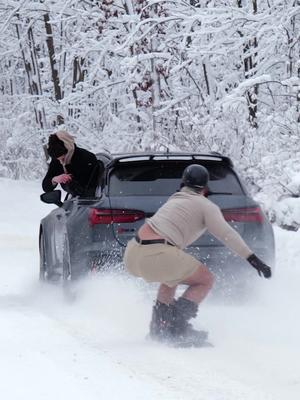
(216, 75)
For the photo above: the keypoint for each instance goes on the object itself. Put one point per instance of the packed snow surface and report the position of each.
(95, 347)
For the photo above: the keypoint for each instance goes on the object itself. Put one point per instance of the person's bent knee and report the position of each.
(206, 277)
(209, 279)
(202, 276)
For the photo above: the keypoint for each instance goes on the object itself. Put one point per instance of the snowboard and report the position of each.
(188, 341)
(201, 340)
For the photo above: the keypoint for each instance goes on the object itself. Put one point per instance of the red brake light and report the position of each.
(253, 214)
(110, 216)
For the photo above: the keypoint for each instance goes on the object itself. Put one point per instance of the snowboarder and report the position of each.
(76, 169)
(156, 255)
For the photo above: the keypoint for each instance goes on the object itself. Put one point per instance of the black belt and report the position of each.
(152, 241)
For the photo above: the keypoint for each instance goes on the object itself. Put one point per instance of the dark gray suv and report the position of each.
(85, 234)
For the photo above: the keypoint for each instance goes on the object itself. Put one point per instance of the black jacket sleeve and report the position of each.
(55, 168)
(85, 169)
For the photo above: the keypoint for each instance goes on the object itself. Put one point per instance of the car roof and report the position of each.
(104, 156)
(170, 155)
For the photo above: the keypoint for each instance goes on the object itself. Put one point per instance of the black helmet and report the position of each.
(195, 176)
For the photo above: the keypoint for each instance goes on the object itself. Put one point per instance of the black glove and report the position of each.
(260, 267)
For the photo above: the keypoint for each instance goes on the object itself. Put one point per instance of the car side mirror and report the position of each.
(53, 197)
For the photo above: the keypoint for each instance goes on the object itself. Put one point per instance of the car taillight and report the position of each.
(110, 216)
(253, 214)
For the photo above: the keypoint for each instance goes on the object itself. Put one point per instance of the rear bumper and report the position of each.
(226, 266)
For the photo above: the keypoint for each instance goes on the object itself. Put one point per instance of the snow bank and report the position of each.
(95, 347)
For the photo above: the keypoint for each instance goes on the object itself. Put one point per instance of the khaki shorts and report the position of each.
(159, 263)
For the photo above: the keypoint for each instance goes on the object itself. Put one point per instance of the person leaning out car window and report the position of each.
(77, 170)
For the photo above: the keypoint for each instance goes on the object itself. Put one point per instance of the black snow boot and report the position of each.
(161, 323)
(184, 310)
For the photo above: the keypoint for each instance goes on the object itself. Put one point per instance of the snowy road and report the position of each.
(95, 348)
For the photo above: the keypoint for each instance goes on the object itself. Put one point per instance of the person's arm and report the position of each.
(54, 170)
(85, 169)
(217, 226)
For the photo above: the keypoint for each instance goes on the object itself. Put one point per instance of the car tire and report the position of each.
(67, 283)
(46, 272)
(43, 262)
(66, 264)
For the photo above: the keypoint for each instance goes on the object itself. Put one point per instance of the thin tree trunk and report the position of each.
(32, 88)
(249, 68)
(78, 72)
(53, 65)
(37, 82)
(206, 78)
(11, 82)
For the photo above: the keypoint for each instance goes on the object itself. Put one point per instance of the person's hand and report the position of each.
(63, 178)
(260, 266)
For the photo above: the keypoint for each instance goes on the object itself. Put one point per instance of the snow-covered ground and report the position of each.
(95, 347)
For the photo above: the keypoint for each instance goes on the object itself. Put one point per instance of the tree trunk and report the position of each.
(29, 70)
(78, 71)
(249, 68)
(52, 58)
(37, 77)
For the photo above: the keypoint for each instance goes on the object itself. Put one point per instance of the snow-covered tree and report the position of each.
(220, 75)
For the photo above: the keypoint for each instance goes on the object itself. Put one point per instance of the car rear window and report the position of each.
(163, 178)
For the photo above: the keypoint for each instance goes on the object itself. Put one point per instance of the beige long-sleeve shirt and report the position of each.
(187, 215)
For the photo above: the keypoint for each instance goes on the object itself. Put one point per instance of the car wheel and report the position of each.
(48, 272)
(43, 263)
(66, 263)
(68, 287)
(54, 273)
